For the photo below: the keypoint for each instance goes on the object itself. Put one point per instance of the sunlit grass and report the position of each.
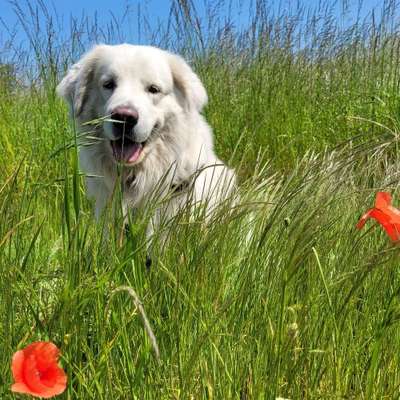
(280, 295)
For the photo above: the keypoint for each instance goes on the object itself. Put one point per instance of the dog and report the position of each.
(138, 113)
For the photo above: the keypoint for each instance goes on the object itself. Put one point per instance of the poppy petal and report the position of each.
(17, 365)
(36, 371)
(20, 387)
(383, 200)
(32, 375)
(46, 354)
(363, 219)
(385, 221)
(394, 214)
(55, 390)
(53, 375)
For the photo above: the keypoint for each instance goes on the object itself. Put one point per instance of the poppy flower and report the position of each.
(36, 371)
(387, 215)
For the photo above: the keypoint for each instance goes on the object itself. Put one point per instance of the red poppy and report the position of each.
(36, 371)
(387, 215)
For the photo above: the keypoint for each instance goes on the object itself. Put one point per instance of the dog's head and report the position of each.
(135, 89)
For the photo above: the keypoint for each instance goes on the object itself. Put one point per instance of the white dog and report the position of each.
(150, 135)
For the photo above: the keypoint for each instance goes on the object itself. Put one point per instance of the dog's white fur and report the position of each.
(179, 149)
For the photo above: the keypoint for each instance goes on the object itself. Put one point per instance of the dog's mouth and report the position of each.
(126, 151)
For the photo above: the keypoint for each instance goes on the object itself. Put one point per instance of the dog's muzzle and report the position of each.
(125, 149)
(124, 121)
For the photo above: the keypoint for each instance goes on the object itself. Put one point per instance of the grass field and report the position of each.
(280, 297)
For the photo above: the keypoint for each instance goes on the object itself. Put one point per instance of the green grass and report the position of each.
(279, 297)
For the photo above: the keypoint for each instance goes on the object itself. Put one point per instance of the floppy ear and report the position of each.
(187, 83)
(75, 85)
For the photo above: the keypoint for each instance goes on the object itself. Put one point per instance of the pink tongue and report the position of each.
(129, 152)
(132, 152)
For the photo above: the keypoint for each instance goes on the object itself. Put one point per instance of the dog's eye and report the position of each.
(109, 85)
(153, 89)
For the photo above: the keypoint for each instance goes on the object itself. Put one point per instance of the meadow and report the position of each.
(280, 296)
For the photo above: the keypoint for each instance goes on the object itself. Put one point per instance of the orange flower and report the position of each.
(36, 371)
(387, 215)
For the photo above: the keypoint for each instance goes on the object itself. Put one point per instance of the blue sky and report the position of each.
(157, 11)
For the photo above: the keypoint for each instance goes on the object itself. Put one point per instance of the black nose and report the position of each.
(125, 120)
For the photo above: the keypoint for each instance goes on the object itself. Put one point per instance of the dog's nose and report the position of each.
(125, 120)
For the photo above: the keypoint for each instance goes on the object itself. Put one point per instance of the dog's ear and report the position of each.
(75, 85)
(187, 83)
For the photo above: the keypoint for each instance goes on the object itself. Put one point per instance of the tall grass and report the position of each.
(280, 296)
